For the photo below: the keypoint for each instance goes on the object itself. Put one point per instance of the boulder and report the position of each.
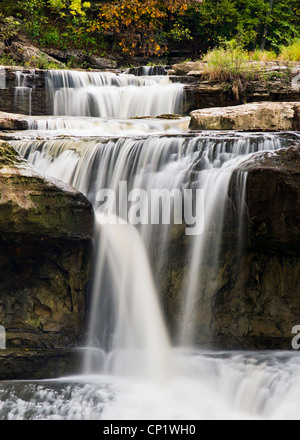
(11, 121)
(96, 62)
(255, 116)
(189, 66)
(78, 59)
(23, 53)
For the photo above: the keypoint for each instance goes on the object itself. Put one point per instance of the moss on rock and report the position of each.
(8, 155)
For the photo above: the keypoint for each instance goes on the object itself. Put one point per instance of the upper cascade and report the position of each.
(111, 95)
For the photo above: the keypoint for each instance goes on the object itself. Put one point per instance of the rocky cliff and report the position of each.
(45, 258)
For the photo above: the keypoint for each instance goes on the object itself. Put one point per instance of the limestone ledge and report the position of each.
(268, 116)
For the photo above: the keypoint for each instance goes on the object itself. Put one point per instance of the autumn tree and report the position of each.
(141, 26)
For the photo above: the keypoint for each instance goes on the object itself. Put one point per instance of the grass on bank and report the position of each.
(231, 59)
(230, 63)
(291, 52)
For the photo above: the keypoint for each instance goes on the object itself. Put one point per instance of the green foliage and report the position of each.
(263, 55)
(75, 7)
(283, 23)
(7, 60)
(264, 24)
(41, 62)
(228, 62)
(157, 26)
(284, 77)
(50, 37)
(179, 33)
(9, 27)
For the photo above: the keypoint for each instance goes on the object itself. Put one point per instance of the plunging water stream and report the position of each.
(128, 335)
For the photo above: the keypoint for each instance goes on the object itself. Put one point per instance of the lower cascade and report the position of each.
(151, 183)
(120, 314)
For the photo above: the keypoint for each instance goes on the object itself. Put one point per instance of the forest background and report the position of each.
(262, 29)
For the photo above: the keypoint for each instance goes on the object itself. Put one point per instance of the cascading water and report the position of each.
(23, 93)
(151, 163)
(127, 332)
(108, 95)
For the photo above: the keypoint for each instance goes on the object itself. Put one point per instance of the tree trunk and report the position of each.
(266, 28)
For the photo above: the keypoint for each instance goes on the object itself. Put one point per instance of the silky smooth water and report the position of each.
(206, 386)
(130, 369)
(108, 95)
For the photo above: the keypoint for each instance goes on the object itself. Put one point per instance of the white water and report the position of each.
(23, 93)
(50, 127)
(131, 329)
(149, 163)
(207, 386)
(109, 95)
(130, 369)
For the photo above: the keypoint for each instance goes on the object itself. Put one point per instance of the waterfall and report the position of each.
(125, 281)
(48, 127)
(110, 95)
(23, 93)
(91, 143)
(147, 70)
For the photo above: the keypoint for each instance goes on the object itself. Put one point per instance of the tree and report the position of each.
(75, 7)
(140, 26)
(255, 23)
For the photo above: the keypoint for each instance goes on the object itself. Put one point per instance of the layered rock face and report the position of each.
(256, 116)
(261, 303)
(45, 257)
(35, 97)
(276, 82)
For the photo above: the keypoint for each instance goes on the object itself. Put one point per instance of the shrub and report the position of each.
(291, 52)
(50, 37)
(227, 62)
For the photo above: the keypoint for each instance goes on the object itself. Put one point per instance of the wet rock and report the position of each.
(45, 257)
(29, 364)
(261, 302)
(169, 116)
(185, 68)
(11, 121)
